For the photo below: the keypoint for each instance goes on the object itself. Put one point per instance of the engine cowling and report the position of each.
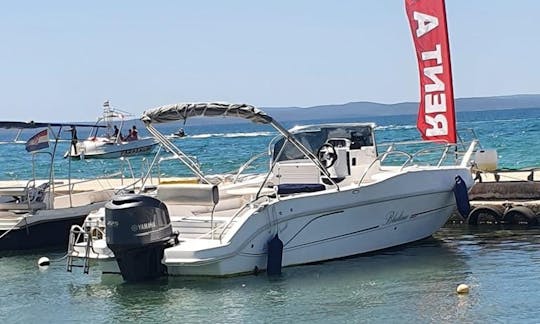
(137, 230)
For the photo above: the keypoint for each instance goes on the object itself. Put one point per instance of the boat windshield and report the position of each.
(313, 137)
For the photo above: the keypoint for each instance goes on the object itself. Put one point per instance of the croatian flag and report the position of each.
(38, 141)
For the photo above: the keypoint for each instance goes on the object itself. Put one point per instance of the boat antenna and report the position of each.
(107, 115)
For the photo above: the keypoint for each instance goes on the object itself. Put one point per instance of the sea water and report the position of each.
(413, 283)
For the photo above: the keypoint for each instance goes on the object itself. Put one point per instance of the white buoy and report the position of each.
(43, 262)
(462, 289)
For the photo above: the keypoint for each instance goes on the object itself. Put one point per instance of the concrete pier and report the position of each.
(503, 190)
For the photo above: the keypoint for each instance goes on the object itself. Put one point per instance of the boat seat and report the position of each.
(82, 198)
(296, 171)
(189, 194)
(290, 188)
(224, 205)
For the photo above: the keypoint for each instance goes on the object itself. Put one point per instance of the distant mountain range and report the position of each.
(373, 109)
(364, 109)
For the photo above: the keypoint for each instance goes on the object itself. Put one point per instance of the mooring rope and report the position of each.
(13, 227)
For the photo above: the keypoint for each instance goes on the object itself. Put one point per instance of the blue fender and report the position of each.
(462, 197)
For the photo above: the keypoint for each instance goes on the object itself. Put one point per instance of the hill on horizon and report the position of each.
(373, 109)
(363, 109)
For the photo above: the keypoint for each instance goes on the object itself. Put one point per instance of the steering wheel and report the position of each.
(327, 155)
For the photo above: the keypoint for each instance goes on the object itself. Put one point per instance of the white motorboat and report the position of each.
(328, 194)
(38, 213)
(112, 143)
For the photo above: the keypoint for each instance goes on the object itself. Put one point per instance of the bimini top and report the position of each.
(183, 111)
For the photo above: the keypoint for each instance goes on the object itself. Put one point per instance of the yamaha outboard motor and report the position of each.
(138, 229)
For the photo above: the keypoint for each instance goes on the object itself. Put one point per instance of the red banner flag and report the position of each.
(436, 115)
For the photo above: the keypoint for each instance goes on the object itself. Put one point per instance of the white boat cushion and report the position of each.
(189, 194)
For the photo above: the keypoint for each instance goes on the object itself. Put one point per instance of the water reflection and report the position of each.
(416, 283)
(337, 289)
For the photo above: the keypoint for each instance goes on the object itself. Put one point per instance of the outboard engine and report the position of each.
(138, 230)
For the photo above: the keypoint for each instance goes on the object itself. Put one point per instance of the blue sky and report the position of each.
(61, 59)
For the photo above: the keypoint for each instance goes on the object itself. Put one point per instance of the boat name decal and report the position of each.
(134, 151)
(396, 216)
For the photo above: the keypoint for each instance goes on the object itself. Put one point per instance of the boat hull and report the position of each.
(45, 229)
(109, 150)
(316, 227)
(42, 235)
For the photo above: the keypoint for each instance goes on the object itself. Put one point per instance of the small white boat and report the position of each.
(110, 144)
(328, 194)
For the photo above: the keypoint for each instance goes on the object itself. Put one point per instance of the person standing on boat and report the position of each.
(134, 133)
(74, 139)
(116, 136)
